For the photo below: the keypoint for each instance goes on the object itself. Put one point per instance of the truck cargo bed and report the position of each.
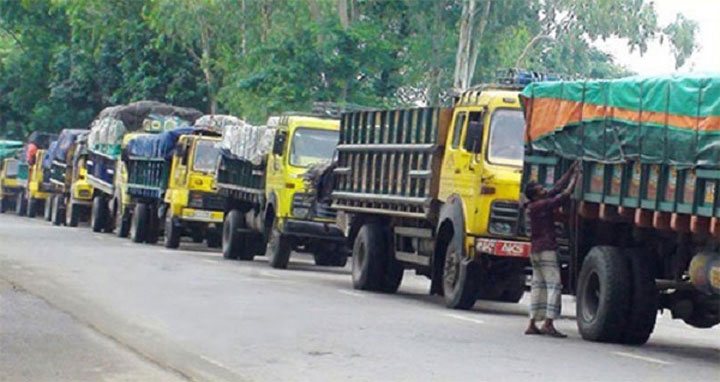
(389, 161)
(240, 179)
(101, 171)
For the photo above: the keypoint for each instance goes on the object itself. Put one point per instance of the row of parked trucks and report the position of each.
(432, 189)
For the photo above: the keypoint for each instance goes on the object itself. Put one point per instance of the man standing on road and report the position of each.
(546, 287)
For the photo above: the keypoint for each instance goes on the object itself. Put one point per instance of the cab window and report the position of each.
(474, 135)
(457, 129)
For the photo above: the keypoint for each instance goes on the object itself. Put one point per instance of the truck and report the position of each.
(436, 189)
(170, 180)
(34, 186)
(9, 185)
(193, 205)
(642, 226)
(72, 199)
(109, 133)
(269, 207)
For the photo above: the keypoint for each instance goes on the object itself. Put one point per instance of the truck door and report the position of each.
(275, 180)
(461, 168)
(178, 176)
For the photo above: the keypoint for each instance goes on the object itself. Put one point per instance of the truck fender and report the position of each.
(450, 221)
(270, 205)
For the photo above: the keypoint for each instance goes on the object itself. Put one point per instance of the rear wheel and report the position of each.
(20, 204)
(99, 214)
(72, 215)
(122, 222)
(461, 279)
(232, 240)
(278, 248)
(172, 233)
(152, 227)
(32, 207)
(47, 213)
(604, 295)
(138, 224)
(373, 267)
(3, 205)
(58, 216)
(214, 238)
(643, 301)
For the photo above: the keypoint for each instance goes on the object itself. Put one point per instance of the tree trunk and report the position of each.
(342, 9)
(478, 42)
(243, 27)
(462, 56)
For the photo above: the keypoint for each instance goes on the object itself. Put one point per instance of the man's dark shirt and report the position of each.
(542, 220)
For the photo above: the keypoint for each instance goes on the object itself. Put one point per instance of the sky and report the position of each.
(658, 59)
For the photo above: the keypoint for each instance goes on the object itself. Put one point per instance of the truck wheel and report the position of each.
(57, 212)
(461, 279)
(172, 233)
(99, 214)
(643, 300)
(3, 205)
(47, 213)
(152, 225)
(122, 223)
(603, 296)
(21, 205)
(232, 240)
(278, 248)
(373, 267)
(329, 258)
(138, 224)
(32, 207)
(72, 215)
(214, 239)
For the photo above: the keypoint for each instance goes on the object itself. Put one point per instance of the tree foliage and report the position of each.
(61, 61)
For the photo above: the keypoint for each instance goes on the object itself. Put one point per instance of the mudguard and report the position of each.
(452, 210)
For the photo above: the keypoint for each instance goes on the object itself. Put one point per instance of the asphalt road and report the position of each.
(88, 307)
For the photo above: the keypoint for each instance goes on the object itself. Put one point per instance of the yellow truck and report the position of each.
(72, 199)
(36, 188)
(9, 183)
(269, 207)
(170, 177)
(436, 190)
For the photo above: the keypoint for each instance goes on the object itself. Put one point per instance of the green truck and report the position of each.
(642, 230)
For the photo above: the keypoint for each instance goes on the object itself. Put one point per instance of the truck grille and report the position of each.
(206, 201)
(504, 218)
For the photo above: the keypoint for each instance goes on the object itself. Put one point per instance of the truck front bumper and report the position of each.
(313, 229)
(205, 216)
(502, 247)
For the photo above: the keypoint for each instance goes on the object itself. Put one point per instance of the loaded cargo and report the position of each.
(72, 195)
(642, 229)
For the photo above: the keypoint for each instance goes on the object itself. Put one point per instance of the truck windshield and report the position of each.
(206, 156)
(506, 137)
(11, 168)
(312, 145)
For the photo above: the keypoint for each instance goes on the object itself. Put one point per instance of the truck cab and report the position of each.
(194, 206)
(293, 220)
(482, 169)
(9, 183)
(36, 192)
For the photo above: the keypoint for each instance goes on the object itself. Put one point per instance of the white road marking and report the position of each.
(351, 293)
(642, 358)
(463, 318)
(269, 274)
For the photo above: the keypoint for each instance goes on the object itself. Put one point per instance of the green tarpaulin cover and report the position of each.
(672, 119)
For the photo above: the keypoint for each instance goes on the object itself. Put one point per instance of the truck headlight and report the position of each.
(300, 212)
(195, 200)
(501, 228)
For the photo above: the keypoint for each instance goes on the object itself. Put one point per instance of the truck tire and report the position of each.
(32, 207)
(20, 205)
(643, 301)
(152, 225)
(138, 224)
(47, 213)
(603, 297)
(99, 214)
(373, 267)
(3, 205)
(232, 240)
(57, 212)
(214, 238)
(278, 248)
(122, 223)
(72, 215)
(172, 233)
(461, 279)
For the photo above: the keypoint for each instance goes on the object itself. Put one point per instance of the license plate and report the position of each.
(503, 247)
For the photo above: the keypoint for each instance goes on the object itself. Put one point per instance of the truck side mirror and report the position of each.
(279, 143)
(180, 150)
(473, 137)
